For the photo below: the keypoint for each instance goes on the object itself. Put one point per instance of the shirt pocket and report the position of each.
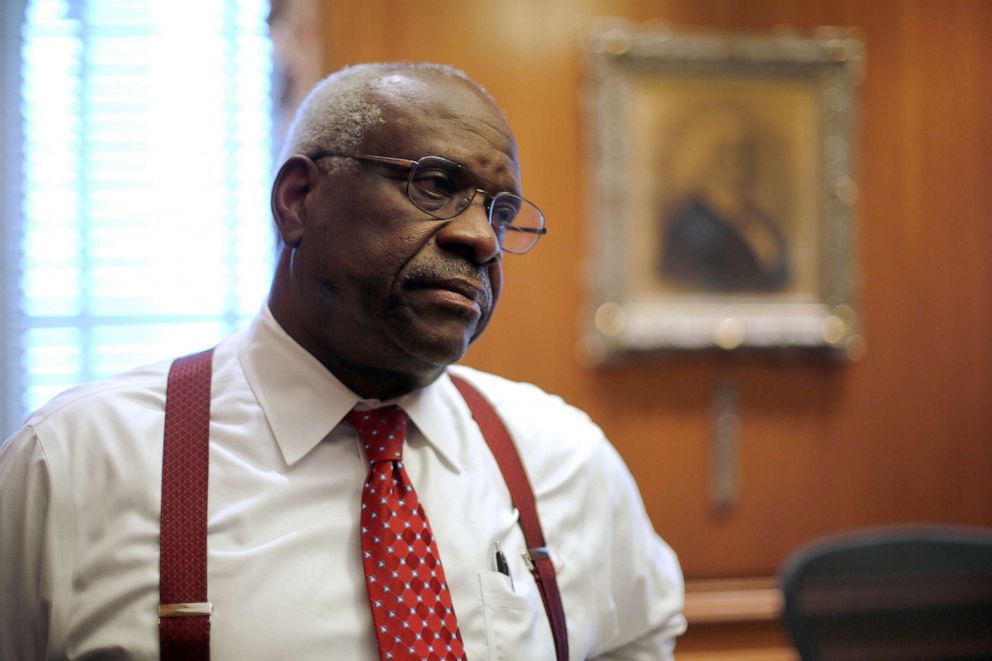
(516, 627)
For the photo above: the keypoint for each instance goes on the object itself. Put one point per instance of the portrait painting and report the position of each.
(722, 191)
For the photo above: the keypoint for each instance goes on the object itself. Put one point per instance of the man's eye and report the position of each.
(436, 184)
(503, 212)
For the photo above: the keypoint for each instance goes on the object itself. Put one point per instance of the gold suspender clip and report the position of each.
(539, 553)
(185, 610)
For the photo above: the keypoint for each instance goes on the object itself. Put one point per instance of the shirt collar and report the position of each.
(303, 401)
(438, 411)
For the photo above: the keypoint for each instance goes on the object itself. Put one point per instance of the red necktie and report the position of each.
(408, 594)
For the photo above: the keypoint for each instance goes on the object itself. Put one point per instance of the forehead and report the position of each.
(432, 114)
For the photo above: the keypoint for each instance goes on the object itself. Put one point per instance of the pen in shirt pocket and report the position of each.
(501, 565)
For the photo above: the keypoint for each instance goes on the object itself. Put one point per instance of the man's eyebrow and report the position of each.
(497, 188)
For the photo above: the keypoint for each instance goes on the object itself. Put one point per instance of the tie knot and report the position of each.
(381, 432)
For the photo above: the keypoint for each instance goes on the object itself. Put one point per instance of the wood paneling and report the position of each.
(904, 435)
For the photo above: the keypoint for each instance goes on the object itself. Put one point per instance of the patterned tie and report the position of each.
(408, 594)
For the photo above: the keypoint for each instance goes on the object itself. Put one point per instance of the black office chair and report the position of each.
(893, 593)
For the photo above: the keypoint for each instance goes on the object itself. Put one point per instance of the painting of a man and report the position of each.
(715, 235)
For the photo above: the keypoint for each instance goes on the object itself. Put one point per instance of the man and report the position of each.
(394, 211)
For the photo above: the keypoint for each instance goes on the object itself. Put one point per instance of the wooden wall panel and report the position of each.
(904, 435)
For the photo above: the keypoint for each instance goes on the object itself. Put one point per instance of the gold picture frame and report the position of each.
(721, 191)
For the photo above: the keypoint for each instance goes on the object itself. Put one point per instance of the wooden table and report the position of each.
(734, 620)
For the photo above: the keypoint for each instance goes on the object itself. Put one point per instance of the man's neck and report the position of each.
(371, 383)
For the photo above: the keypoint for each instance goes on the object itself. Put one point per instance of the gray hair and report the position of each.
(338, 112)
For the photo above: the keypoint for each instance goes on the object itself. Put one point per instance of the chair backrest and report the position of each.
(892, 593)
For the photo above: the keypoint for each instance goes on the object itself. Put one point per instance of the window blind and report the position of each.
(147, 155)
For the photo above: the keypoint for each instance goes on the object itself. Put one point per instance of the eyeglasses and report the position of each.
(443, 189)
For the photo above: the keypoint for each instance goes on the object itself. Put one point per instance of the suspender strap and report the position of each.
(537, 556)
(184, 613)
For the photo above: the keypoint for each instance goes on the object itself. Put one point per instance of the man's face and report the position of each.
(384, 285)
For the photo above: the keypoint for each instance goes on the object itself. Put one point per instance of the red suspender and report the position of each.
(184, 612)
(537, 556)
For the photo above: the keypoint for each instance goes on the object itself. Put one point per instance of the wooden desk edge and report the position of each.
(732, 600)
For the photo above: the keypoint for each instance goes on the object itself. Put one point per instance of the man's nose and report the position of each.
(470, 234)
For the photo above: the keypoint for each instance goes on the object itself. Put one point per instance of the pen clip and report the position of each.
(501, 564)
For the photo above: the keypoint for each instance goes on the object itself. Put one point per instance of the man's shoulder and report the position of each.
(501, 391)
(559, 443)
(533, 414)
(494, 385)
(141, 388)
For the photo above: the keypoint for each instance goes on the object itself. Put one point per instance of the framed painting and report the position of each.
(722, 191)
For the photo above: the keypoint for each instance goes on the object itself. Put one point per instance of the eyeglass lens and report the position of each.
(444, 189)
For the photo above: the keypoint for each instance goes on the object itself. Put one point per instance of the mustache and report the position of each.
(440, 271)
(435, 271)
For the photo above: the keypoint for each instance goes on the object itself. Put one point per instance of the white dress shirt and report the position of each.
(80, 501)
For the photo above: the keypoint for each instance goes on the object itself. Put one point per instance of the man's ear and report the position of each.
(295, 180)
